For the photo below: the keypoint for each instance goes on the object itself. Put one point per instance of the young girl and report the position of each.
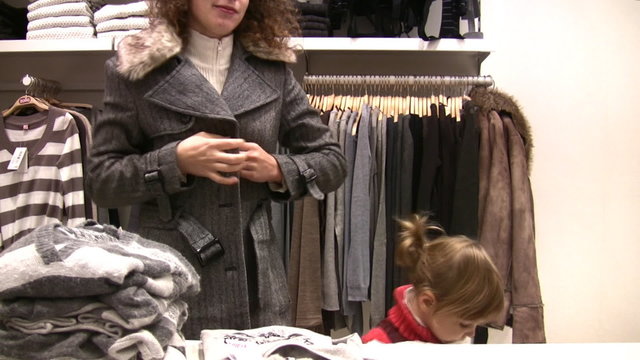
(454, 287)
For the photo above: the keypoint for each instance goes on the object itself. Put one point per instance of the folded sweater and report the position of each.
(60, 21)
(65, 9)
(130, 23)
(89, 291)
(116, 11)
(57, 33)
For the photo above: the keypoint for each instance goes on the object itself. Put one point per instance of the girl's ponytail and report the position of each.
(415, 233)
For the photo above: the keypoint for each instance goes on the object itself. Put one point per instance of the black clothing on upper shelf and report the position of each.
(13, 22)
(314, 20)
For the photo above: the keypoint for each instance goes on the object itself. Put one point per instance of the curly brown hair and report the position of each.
(267, 23)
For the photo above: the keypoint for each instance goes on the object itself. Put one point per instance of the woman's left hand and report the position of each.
(259, 166)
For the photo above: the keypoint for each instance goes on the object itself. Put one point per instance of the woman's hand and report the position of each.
(259, 166)
(205, 155)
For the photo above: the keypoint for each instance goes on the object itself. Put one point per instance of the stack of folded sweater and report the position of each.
(119, 20)
(92, 292)
(61, 19)
(314, 19)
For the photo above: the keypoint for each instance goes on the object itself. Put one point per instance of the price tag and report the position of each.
(18, 160)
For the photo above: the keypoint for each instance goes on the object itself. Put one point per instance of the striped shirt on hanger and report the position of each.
(50, 189)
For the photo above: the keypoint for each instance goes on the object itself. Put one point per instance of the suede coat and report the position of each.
(506, 226)
(154, 98)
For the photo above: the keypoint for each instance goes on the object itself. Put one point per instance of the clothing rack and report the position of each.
(392, 80)
(39, 87)
(394, 95)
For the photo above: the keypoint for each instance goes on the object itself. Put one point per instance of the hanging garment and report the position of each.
(447, 173)
(378, 263)
(84, 132)
(330, 282)
(305, 286)
(358, 254)
(50, 185)
(526, 300)
(464, 217)
(430, 163)
(505, 207)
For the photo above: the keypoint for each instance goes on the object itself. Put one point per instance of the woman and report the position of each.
(194, 108)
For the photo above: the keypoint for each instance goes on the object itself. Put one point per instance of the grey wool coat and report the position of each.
(154, 97)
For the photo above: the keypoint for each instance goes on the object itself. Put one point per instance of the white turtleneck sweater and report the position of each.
(211, 57)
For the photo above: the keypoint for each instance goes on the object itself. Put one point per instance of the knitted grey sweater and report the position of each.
(92, 292)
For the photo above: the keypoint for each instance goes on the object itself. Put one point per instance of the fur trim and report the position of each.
(492, 99)
(142, 52)
(286, 55)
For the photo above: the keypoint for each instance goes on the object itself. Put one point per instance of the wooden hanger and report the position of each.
(396, 108)
(359, 104)
(325, 103)
(425, 106)
(407, 105)
(331, 102)
(24, 102)
(337, 100)
(319, 99)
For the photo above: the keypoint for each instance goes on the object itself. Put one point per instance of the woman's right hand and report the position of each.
(205, 154)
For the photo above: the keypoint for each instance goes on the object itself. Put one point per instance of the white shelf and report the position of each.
(331, 44)
(390, 44)
(78, 64)
(81, 45)
(389, 56)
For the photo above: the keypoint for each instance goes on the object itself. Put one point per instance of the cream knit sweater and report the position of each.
(211, 57)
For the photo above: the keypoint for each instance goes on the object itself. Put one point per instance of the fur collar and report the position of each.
(492, 99)
(142, 52)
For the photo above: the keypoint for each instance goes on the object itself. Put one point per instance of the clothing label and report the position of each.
(18, 160)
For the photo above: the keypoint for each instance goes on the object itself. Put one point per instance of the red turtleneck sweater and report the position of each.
(400, 325)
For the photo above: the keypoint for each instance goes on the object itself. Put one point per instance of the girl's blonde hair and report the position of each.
(458, 271)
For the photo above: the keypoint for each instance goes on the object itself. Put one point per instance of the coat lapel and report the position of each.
(245, 89)
(185, 90)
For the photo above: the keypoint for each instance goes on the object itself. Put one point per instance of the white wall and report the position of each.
(573, 65)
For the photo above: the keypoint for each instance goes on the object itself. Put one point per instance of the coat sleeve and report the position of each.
(310, 144)
(118, 162)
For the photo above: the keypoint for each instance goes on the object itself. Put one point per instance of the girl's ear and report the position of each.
(427, 300)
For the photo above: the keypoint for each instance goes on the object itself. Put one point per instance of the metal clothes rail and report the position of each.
(391, 80)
